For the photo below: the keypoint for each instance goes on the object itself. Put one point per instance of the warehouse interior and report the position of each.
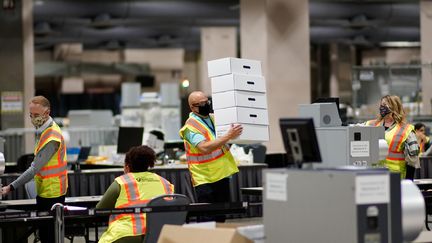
(121, 73)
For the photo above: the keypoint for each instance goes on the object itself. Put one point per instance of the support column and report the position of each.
(276, 32)
(16, 63)
(426, 54)
(216, 42)
(342, 58)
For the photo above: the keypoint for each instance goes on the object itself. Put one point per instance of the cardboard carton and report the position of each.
(223, 233)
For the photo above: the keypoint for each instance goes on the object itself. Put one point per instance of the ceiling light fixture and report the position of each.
(400, 44)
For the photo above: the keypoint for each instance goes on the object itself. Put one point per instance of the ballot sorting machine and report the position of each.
(356, 205)
(343, 145)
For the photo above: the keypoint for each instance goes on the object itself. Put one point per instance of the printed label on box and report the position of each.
(360, 149)
(372, 189)
(276, 187)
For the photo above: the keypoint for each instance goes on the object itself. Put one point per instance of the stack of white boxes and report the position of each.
(239, 97)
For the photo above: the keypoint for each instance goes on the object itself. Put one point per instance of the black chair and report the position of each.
(155, 221)
(24, 162)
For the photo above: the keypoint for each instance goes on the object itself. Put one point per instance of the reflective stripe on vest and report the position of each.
(393, 152)
(200, 127)
(199, 159)
(206, 167)
(51, 180)
(48, 133)
(133, 200)
(166, 185)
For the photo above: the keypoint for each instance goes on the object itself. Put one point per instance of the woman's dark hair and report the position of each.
(140, 158)
(418, 126)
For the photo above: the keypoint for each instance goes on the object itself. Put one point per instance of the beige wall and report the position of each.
(216, 42)
(276, 32)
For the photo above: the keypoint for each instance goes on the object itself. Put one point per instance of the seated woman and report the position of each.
(423, 140)
(133, 189)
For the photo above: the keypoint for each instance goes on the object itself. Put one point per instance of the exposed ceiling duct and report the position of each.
(177, 23)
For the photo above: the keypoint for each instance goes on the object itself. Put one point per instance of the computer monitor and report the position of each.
(83, 154)
(129, 137)
(300, 140)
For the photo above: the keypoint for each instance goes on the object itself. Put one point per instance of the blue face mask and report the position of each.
(384, 110)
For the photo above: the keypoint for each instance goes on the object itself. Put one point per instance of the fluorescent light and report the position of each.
(185, 83)
(400, 44)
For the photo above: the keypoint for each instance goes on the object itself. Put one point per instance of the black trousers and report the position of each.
(410, 172)
(46, 231)
(216, 192)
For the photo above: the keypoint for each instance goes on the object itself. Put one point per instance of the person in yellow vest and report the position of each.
(210, 162)
(403, 148)
(422, 139)
(133, 189)
(49, 167)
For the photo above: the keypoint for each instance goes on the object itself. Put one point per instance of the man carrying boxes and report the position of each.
(210, 161)
(240, 103)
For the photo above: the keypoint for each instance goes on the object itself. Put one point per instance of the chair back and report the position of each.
(155, 221)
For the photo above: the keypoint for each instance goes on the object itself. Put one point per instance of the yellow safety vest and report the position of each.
(422, 144)
(52, 181)
(136, 189)
(211, 167)
(395, 138)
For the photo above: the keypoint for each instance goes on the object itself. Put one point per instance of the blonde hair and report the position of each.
(395, 105)
(41, 101)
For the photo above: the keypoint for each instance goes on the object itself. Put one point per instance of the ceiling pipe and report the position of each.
(220, 9)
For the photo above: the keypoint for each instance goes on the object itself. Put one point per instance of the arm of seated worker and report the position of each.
(40, 160)
(110, 196)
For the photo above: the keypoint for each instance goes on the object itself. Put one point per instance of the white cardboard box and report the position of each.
(241, 115)
(230, 65)
(238, 82)
(251, 133)
(239, 98)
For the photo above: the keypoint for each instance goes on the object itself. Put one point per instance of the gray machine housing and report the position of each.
(321, 206)
(342, 145)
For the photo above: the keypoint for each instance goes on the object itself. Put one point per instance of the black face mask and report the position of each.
(205, 109)
(384, 110)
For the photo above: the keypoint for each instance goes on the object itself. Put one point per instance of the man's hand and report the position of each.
(207, 147)
(234, 131)
(5, 190)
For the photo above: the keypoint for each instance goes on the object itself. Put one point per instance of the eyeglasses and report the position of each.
(203, 103)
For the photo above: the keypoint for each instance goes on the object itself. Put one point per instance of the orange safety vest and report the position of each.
(211, 167)
(395, 138)
(51, 181)
(136, 190)
(422, 145)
